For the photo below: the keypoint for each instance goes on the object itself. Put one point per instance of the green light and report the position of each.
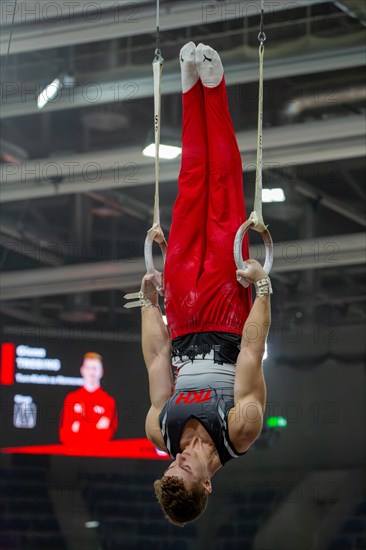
(276, 422)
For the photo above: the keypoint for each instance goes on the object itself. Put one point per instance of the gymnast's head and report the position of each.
(184, 488)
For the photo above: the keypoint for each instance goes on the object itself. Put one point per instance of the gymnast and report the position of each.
(211, 410)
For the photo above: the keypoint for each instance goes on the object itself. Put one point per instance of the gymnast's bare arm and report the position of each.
(156, 348)
(246, 417)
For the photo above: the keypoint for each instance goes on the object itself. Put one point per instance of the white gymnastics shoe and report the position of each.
(187, 57)
(209, 66)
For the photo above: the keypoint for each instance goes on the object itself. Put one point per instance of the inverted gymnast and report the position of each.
(212, 410)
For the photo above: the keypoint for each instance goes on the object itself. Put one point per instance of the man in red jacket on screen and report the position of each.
(89, 414)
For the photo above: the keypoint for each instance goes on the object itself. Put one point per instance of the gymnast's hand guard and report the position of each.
(263, 287)
(147, 296)
(253, 273)
(142, 301)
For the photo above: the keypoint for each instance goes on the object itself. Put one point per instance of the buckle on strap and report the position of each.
(141, 302)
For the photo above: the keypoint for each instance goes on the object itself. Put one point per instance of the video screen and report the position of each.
(74, 398)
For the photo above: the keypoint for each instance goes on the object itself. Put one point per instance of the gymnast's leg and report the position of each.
(185, 256)
(227, 303)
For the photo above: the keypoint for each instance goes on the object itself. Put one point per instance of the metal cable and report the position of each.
(9, 43)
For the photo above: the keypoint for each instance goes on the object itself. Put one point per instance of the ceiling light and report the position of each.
(165, 151)
(50, 92)
(92, 524)
(66, 80)
(273, 195)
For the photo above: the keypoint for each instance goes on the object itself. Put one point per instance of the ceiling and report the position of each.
(77, 194)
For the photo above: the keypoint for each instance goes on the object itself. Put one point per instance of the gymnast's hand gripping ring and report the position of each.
(155, 234)
(253, 222)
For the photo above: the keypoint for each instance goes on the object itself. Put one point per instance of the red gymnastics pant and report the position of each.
(201, 290)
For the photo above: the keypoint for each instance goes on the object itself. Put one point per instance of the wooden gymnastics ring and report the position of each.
(254, 222)
(155, 234)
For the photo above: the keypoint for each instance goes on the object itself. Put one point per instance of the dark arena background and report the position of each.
(77, 197)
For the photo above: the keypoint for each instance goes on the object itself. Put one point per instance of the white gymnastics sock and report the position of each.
(187, 57)
(209, 66)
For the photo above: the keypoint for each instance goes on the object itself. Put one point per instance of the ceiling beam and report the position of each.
(328, 201)
(26, 316)
(56, 331)
(284, 146)
(323, 300)
(30, 12)
(127, 205)
(21, 100)
(39, 24)
(318, 253)
(354, 9)
(353, 183)
(44, 254)
(20, 235)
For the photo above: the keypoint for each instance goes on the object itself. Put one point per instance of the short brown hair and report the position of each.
(179, 504)
(93, 355)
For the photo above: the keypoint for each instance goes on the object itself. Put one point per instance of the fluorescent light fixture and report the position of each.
(49, 93)
(165, 151)
(265, 351)
(92, 524)
(165, 319)
(273, 195)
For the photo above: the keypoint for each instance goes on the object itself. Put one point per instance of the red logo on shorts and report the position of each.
(194, 397)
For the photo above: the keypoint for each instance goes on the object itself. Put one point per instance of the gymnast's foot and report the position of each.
(187, 57)
(209, 66)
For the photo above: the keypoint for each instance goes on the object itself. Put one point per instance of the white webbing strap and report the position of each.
(256, 215)
(155, 233)
(157, 71)
(255, 220)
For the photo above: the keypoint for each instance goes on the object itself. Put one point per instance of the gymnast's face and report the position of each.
(190, 466)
